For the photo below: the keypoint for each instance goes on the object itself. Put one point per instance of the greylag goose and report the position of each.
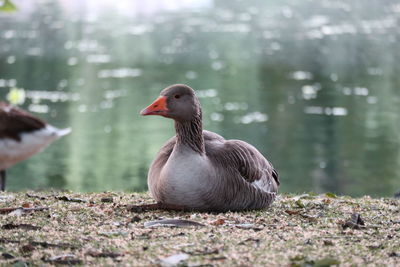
(21, 136)
(200, 170)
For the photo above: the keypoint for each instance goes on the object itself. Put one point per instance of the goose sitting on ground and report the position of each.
(21, 136)
(200, 170)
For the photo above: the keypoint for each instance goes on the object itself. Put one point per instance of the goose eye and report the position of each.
(177, 96)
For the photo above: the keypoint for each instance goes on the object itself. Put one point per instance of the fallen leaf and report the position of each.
(292, 212)
(26, 205)
(355, 222)
(330, 195)
(218, 222)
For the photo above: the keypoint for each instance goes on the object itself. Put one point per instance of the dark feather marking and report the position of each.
(14, 121)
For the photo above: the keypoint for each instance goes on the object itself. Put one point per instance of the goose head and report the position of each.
(178, 102)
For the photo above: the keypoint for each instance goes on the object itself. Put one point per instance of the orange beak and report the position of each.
(158, 107)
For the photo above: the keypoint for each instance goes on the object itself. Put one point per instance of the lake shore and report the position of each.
(98, 229)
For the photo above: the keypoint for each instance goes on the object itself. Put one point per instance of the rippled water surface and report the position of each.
(314, 85)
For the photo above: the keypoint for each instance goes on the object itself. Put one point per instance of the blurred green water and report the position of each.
(314, 85)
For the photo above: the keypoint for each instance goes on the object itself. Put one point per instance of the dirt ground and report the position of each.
(47, 228)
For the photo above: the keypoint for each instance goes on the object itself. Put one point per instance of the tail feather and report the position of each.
(63, 132)
(55, 132)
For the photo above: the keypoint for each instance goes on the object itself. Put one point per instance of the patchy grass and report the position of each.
(97, 229)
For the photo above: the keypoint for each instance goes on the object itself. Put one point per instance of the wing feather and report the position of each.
(14, 121)
(245, 159)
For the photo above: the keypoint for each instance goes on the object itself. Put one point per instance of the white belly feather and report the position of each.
(13, 151)
(185, 177)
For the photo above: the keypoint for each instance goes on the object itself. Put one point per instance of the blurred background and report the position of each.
(313, 84)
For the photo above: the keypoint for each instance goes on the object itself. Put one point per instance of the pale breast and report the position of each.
(184, 179)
